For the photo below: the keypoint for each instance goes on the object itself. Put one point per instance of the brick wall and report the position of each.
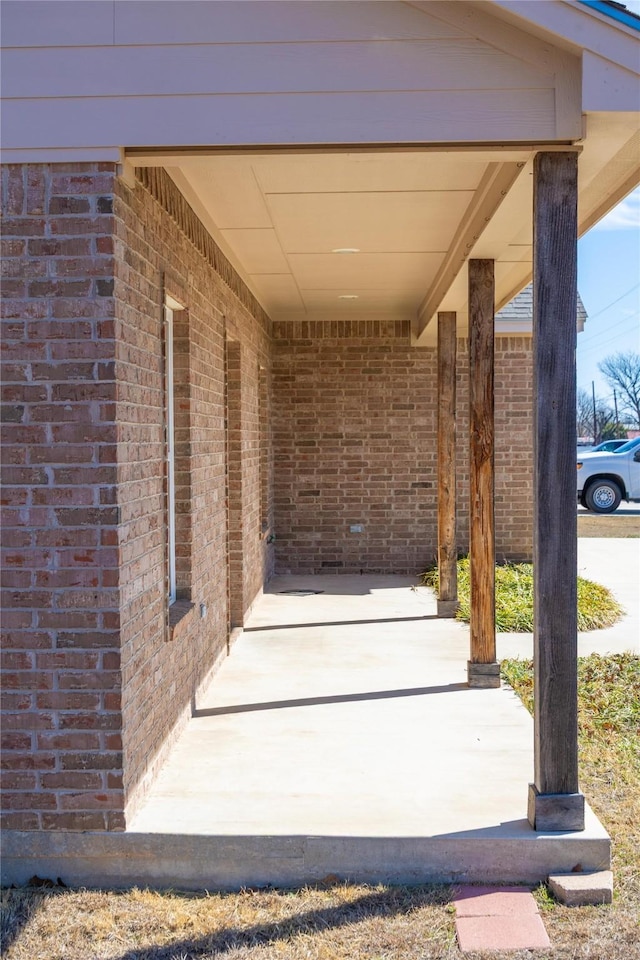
(96, 678)
(355, 428)
(355, 444)
(161, 248)
(514, 448)
(62, 761)
(99, 672)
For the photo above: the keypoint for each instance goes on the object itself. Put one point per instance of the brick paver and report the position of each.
(498, 918)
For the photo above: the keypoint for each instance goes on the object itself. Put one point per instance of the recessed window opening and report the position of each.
(170, 308)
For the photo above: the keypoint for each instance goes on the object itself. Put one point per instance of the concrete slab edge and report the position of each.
(193, 862)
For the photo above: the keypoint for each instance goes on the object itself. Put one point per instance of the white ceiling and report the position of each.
(281, 217)
(415, 215)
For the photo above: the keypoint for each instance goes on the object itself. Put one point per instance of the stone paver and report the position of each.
(493, 901)
(498, 918)
(502, 933)
(582, 889)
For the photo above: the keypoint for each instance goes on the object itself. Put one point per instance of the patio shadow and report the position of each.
(339, 623)
(334, 698)
(388, 903)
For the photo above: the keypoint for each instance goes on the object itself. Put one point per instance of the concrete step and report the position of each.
(509, 853)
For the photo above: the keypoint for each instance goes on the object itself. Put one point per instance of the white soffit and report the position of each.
(280, 218)
(413, 216)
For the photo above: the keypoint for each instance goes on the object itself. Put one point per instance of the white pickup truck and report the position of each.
(604, 479)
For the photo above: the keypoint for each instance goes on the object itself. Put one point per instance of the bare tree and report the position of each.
(584, 414)
(605, 427)
(622, 373)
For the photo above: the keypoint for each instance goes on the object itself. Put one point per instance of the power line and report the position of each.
(613, 303)
(606, 333)
(613, 326)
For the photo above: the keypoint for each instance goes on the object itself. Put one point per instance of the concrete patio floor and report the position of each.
(341, 729)
(339, 739)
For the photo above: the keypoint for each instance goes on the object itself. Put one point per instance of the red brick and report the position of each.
(66, 538)
(16, 741)
(16, 660)
(85, 721)
(104, 680)
(12, 248)
(67, 329)
(91, 801)
(73, 821)
(20, 821)
(23, 309)
(58, 700)
(21, 761)
(30, 476)
(71, 781)
(82, 183)
(16, 619)
(77, 226)
(59, 288)
(62, 206)
(29, 801)
(91, 761)
(36, 189)
(27, 720)
(63, 371)
(79, 453)
(24, 227)
(16, 701)
(14, 190)
(84, 267)
(95, 309)
(67, 619)
(92, 640)
(18, 780)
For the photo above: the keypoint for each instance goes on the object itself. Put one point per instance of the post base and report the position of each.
(555, 812)
(447, 608)
(483, 674)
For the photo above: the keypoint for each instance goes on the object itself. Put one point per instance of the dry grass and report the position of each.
(608, 525)
(609, 721)
(337, 921)
(340, 921)
(597, 607)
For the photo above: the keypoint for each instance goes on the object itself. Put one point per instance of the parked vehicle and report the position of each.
(607, 446)
(604, 479)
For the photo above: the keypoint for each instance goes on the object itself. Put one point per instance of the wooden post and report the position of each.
(447, 546)
(554, 800)
(483, 669)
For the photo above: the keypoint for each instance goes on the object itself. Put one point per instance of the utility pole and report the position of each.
(595, 419)
(615, 404)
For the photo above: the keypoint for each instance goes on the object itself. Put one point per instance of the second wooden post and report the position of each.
(483, 669)
(447, 546)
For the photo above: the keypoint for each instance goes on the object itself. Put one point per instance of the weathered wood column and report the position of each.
(447, 546)
(554, 800)
(483, 670)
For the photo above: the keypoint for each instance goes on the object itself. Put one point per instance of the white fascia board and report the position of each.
(522, 328)
(111, 154)
(575, 25)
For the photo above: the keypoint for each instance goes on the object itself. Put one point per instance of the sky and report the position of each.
(609, 284)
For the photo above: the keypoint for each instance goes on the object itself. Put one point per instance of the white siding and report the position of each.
(175, 73)
(465, 116)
